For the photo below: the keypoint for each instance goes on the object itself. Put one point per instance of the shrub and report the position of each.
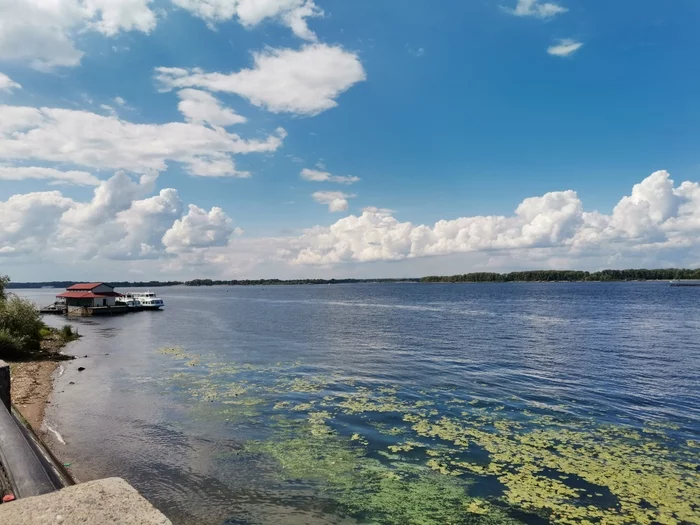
(21, 323)
(67, 333)
(11, 346)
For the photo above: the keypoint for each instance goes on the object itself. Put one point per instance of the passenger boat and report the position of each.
(128, 300)
(148, 300)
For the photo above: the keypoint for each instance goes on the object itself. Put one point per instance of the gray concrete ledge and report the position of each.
(5, 390)
(106, 501)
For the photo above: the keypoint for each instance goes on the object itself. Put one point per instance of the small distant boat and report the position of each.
(676, 282)
(148, 300)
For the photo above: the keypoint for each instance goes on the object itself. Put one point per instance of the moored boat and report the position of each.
(55, 308)
(128, 300)
(148, 300)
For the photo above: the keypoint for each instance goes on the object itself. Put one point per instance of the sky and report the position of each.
(233, 139)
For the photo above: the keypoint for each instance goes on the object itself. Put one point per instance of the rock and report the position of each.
(71, 383)
(81, 368)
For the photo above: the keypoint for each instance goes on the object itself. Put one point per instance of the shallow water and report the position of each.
(399, 403)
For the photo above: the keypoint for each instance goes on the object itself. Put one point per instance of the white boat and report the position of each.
(147, 300)
(128, 300)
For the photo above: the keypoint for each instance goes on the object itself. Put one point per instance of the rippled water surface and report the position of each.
(402, 403)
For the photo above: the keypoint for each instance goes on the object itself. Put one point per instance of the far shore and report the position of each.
(528, 276)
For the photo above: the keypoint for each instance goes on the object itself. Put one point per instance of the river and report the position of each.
(393, 403)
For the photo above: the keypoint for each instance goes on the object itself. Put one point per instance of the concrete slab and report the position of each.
(5, 385)
(106, 501)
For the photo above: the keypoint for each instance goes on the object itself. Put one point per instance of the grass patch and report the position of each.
(67, 333)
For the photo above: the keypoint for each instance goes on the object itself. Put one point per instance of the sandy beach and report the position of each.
(32, 382)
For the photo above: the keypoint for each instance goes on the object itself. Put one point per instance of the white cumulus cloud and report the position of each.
(657, 216)
(337, 201)
(303, 81)
(80, 178)
(292, 13)
(28, 220)
(106, 142)
(656, 225)
(199, 229)
(144, 223)
(564, 48)
(42, 32)
(109, 17)
(378, 211)
(7, 84)
(536, 8)
(202, 107)
(324, 176)
(120, 222)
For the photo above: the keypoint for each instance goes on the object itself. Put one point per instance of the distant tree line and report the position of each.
(665, 274)
(273, 282)
(568, 276)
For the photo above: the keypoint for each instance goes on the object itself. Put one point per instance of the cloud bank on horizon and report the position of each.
(124, 221)
(88, 176)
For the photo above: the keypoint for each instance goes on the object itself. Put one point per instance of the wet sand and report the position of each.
(32, 382)
(32, 385)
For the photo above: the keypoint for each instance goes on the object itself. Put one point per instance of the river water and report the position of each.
(393, 403)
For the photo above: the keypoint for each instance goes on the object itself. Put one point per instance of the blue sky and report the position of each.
(415, 113)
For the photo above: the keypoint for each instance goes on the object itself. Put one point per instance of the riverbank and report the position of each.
(32, 385)
(32, 380)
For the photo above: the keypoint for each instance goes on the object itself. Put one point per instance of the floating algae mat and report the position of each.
(390, 454)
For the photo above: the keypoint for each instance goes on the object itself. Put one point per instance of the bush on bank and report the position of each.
(21, 327)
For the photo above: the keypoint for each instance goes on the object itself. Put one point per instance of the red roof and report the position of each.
(86, 286)
(87, 295)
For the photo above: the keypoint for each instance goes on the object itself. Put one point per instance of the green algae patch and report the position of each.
(388, 430)
(176, 352)
(301, 407)
(365, 400)
(305, 385)
(388, 455)
(406, 447)
(365, 488)
(645, 478)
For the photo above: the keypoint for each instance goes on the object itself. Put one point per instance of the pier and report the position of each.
(88, 299)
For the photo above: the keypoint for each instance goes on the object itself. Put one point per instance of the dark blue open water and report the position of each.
(528, 403)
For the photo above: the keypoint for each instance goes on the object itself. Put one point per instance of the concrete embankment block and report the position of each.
(106, 501)
(5, 384)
